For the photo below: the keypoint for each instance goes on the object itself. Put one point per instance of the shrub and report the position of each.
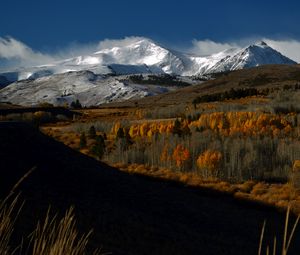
(295, 175)
(92, 132)
(76, 104)
(98, 148)
(181, 155)
(82, 142)
(210, 161)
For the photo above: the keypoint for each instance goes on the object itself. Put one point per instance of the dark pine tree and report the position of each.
(92, 132)
(82, 142)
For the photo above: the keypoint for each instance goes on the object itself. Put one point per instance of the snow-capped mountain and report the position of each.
(142, 55)
(251, 56)
(86, 77)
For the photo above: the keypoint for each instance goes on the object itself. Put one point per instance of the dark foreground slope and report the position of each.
(129, 214)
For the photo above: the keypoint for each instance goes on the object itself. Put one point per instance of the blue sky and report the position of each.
(35, 32)
(49, 25)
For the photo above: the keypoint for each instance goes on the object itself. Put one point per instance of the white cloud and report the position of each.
(289, 47)
(14, 53)
(208, 47)
(108, 43)
(74, 50)
(12, 49)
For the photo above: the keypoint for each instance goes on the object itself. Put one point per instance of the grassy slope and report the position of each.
(129, 214)
(260, 77)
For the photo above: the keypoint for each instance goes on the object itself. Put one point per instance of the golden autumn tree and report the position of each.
(295, 175)
(247, 123)
(144, 128)
(164, 157)
(210, 161)
(134, 131)
(115, 128)
(181, 155)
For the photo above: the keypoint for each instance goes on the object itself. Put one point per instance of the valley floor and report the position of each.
(129, 214)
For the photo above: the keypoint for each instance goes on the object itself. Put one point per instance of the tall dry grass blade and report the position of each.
(268, 250)
(285, 231)
(12, 191)
(22, 179)
(274, 245)
(292, 233)
(261, 238)
(7, 221)
(53, 237)
(8, 216)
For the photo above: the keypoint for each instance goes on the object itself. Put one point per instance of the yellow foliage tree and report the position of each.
(181, 155)
(247, 123)
(210, 160)
(144, 128)
(165, 154)
(115, 128)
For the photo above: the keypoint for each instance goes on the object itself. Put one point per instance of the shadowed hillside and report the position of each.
(129, 214)
(270, 76)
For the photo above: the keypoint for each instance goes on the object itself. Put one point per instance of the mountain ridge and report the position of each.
(70, 79)
(145, 52)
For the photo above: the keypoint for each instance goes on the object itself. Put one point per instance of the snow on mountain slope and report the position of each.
(251, 56)
(142, 55)
(142, 51)
(85, 77)
(203, 65)
(89, 88)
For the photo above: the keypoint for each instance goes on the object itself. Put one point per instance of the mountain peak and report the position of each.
(253, 55)
(261, 43)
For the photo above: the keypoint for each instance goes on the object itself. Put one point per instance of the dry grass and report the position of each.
(9, 212)
(60, 237)
(7, 220)
(53, 236)
(286, 240)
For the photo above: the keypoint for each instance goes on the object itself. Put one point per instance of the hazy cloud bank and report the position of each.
(288, 47)
(14, 53)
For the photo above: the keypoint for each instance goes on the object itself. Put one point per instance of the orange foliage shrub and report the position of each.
(210, 160)
(295, 174)
(165, 154)
(115, 128)
(181, 155)
(296, 166)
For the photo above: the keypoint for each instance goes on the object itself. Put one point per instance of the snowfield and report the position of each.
(88, 88)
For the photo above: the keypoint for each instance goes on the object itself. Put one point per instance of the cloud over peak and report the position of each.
(208, 47)
(110, 43)
(14, 54)
(287, 47)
